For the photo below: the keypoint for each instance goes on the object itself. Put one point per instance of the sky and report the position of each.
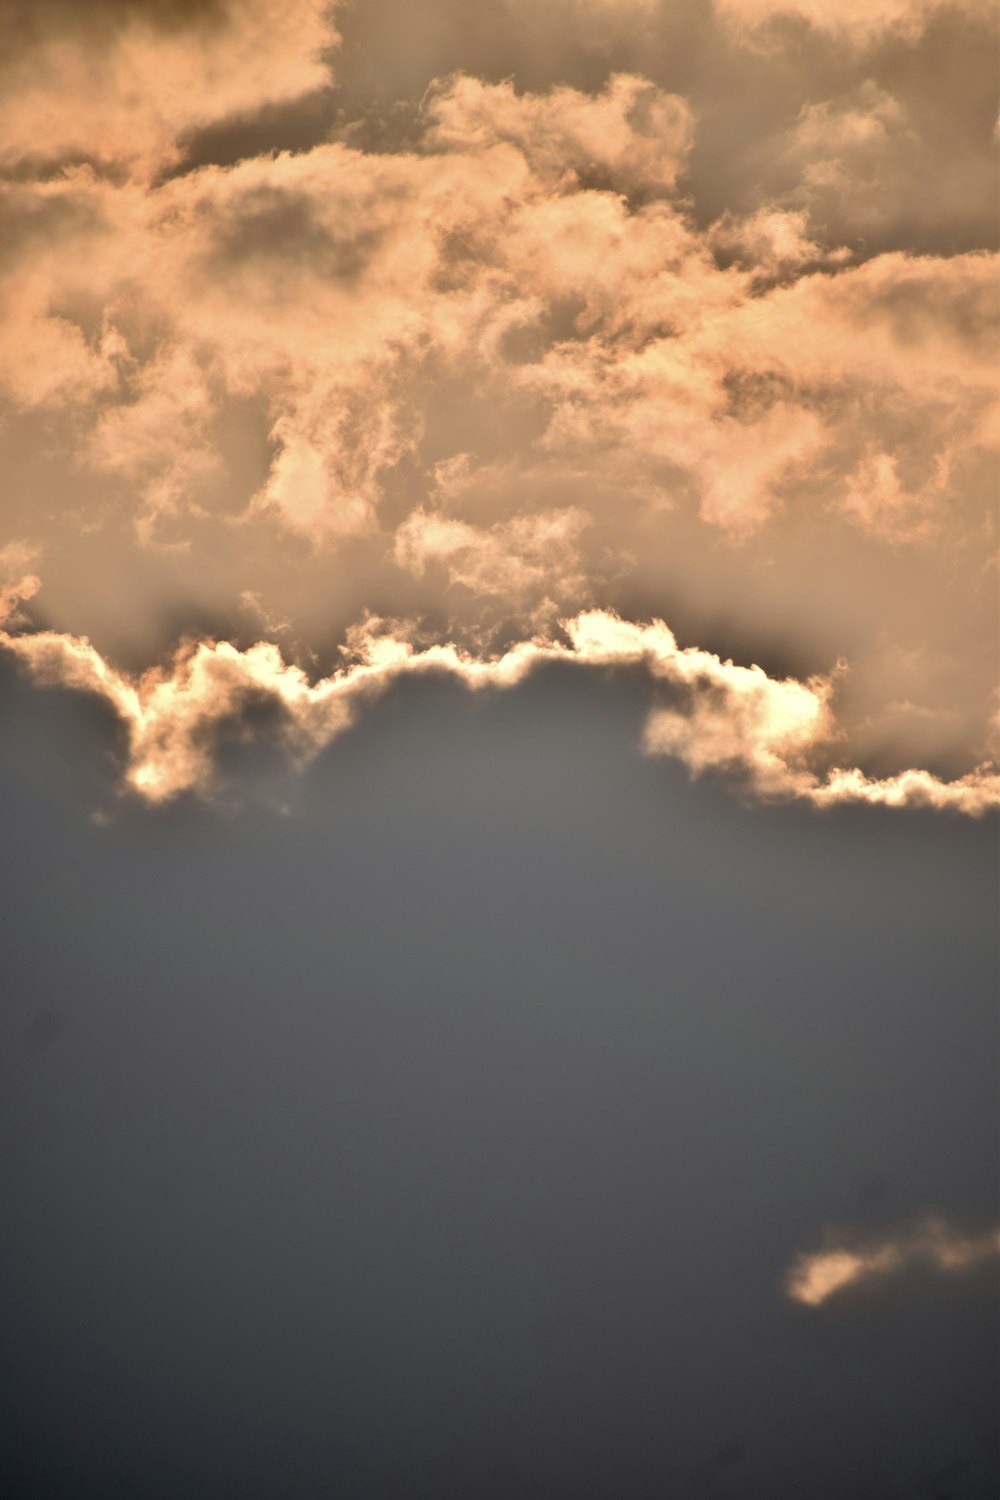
(499, 691)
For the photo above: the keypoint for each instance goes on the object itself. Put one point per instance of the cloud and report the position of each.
(728, 717)
(861, 22)
(486, 359)
(514, 559)
(934, 1246)
(123, 83)
(773, 243)
(16, 585)
(346, 289)
(632, 135)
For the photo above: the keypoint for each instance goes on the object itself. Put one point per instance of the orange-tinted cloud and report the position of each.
(487, 362)
(122, 84)
(862, 22)
(728, 717)
(933, 1246)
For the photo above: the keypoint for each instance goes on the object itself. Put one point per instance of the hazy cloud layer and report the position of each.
(488, 358)
(863, 22)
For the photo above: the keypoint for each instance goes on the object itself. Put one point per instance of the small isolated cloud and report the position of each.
(934, 1247)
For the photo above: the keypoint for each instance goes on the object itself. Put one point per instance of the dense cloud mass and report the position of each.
(327, 356)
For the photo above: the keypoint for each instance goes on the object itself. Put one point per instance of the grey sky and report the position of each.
(453, 1133)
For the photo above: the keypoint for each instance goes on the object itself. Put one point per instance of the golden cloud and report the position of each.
(733, 717)
(933, 1246)
(488, 364)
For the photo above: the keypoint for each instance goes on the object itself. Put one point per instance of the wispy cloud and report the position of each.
(862, 22)
(934, 1246)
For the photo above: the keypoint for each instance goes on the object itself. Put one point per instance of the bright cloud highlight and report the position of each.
(933, 1247)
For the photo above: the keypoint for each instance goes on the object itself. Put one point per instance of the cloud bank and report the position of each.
(494, 360)
(730, 717)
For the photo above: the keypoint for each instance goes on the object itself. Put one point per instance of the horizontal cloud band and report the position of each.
(722, 716)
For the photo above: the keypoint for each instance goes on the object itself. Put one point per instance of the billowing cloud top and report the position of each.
(326, 356)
